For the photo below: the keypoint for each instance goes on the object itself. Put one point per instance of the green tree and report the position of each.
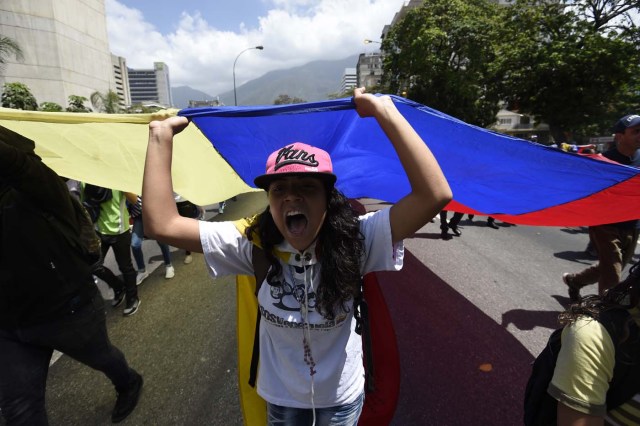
(18, 96)
(439, 55)
(286, 99)
(605, 15)
(76, 104)
(572, 64)
(50, 107)
(108, 102)
(8, 48)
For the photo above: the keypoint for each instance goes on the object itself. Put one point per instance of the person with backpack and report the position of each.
(48, 299)
(114, 230)
(589, 373)
(318, 249)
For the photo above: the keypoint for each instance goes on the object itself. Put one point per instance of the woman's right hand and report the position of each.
(368, 105)
(174, 125)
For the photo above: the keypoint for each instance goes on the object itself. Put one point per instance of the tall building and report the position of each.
(65, 47)
(349, 80)
(121, 75)
(151, 86)
(369, 69)
(411, 4)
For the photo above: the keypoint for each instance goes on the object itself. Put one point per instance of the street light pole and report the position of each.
(235, 98)
(367, 41)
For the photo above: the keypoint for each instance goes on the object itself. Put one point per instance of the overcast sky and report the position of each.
(200, 39)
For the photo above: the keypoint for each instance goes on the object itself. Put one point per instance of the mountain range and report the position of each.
(311, 82)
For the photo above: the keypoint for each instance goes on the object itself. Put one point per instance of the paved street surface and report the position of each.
(470, 315)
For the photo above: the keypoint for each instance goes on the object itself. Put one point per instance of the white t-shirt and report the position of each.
(284, 376)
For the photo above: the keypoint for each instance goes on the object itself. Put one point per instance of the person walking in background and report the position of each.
(137, 237)
(114, 230)
(187, 209)
(452, 224)
(48, 299)
(317, 249)
(614, 242)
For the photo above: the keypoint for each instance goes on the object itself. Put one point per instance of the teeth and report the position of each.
(293, 213)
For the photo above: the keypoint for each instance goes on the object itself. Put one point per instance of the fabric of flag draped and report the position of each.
(109, 150)
(511, 179)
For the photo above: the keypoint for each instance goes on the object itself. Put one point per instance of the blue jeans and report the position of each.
(341, 415)
(25, 354)
(136, 245)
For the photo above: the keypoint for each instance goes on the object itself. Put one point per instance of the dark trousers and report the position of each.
(121, 245)
(455, 220)
(25, 353)
(615, 247)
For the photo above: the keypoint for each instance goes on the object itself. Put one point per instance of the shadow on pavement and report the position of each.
(523, 319)
(576, 230)
(428, 236)
(444, 340)
(576, 256)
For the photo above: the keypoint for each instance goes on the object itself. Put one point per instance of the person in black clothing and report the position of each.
(451, 224)
(614, 242)
(48, 299)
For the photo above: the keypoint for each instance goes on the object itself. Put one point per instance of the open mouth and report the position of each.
(296, 222)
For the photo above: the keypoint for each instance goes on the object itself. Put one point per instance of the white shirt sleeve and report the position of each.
(226, 251)
(380, 252)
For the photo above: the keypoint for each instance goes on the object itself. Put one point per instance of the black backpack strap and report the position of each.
(540, 408)
(260, 270)
(361, 314)
(625, 335)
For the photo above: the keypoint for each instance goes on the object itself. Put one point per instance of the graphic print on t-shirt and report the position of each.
(290, 297)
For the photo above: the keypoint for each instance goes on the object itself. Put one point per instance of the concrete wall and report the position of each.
(65, 46)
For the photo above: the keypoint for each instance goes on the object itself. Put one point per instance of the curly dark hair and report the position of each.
(339, 247)
(625, 295)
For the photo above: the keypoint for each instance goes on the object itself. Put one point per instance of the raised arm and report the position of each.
(430, 191)
(161, 219)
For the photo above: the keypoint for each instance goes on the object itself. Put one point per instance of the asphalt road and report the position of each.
(470, 314)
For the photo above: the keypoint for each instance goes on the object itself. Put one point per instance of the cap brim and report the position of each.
(620, 127)
(264, 180)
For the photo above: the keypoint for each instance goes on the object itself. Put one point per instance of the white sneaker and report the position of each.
(169, 272)
(142, 275)
(188, 259)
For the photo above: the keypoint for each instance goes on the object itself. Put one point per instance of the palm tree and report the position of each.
(8, 48)
(106, 102)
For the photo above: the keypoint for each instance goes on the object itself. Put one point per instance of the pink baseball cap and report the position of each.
(297, 159)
